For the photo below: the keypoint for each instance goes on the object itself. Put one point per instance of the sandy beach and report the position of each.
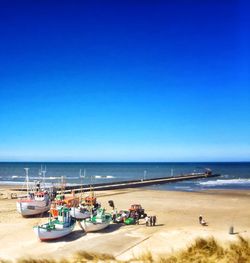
(177, 225)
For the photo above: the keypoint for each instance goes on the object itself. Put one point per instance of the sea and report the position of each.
(233, 175)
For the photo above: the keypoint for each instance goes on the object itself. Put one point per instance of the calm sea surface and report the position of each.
(233, 175)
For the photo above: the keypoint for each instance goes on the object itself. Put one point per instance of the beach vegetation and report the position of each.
(83, 256)
(4, 261)
(43, 260)
(201, 251)
(210, 251)
(146, 257)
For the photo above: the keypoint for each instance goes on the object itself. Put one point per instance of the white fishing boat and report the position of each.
(97, 222)
(56, 228)
(35, 202)
(80, 213)
(83, 211)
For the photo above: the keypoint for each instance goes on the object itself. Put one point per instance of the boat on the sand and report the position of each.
(80, 212)
(35, 202)
(56, 228)
(97, 221)
(83, 211)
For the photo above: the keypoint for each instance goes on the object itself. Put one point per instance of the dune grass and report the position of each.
(209, 251)
(81, 256)
(201, 251)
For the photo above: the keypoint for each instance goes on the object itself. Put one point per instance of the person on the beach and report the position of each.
(151, 220)
(154, 220)
(202, 221)
(146, 220)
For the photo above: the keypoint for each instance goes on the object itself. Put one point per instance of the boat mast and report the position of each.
(62, 185)
(81, 176)
(27, 179)
(43, 173)
(92, 194)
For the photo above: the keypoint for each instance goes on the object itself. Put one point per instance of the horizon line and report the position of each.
(44, 161)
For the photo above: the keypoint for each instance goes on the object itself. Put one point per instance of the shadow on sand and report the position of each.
(76, 234)
(238, 232)
(111, 228)
(43, 215)
(157, 225)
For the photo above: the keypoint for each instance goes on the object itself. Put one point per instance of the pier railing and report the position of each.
(136, 183)
(132, 183)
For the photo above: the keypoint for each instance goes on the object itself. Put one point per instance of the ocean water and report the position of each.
(233, 175)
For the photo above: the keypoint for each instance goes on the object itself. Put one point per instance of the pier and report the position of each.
(131, 183)
(136, 183)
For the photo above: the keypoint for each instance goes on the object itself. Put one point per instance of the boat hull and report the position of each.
(89, 226)
(32, 207)
(78, 214)
(45, 234)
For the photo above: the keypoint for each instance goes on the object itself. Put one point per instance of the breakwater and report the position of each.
(136, 183)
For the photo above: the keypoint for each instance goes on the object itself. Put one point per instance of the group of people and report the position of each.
(150, 220)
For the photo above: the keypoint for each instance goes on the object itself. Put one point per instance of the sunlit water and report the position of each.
(233, 175)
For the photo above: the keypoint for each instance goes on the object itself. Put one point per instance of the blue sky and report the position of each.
(124, 81)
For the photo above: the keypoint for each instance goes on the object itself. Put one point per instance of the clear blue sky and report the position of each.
(124, 80)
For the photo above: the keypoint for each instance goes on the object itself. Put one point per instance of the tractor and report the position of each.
(137, 209)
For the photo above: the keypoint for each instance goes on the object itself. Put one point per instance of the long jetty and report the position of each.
(136, 183)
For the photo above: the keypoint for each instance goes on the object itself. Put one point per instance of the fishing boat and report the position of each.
(80, 212)
(35, 202)
(98, 221)
(56, 228)
(83, 210)
(62, 199)
(69, 201)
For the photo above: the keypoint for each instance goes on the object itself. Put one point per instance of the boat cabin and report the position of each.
(90, 200)
(39, 196)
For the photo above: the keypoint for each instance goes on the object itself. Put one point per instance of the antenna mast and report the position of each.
(43, 173)
(27, 179)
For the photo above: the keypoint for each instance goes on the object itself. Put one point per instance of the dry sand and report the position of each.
(177, 225)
